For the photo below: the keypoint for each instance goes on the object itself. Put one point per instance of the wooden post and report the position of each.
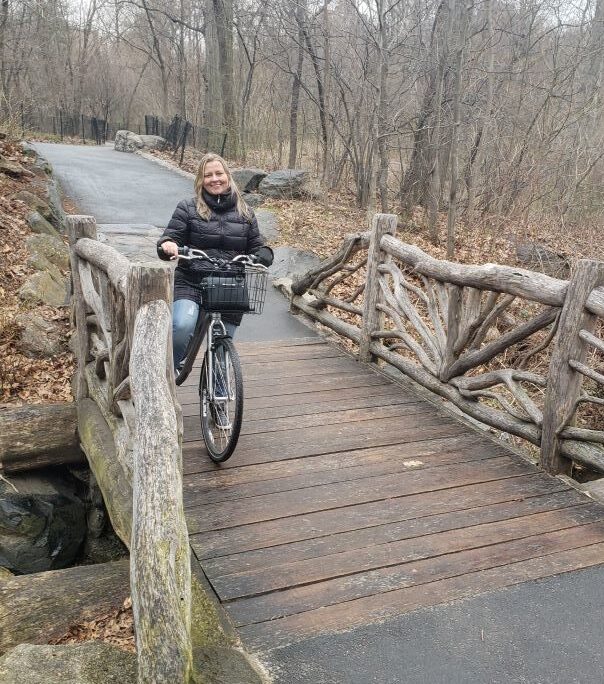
(148, 282)
(564, 383)
(160, 570)
(383, 224)
(79, 227)
(160, 557)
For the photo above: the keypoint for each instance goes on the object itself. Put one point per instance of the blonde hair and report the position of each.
(202, 208)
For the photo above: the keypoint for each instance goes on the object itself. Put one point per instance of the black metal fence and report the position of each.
(178, 133)
(67, 125)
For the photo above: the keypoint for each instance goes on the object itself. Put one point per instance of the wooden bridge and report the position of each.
(350, 500)
(352, 496)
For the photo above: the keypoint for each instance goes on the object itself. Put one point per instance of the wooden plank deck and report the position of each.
(350, 500)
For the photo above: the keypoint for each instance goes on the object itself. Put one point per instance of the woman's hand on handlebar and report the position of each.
(170, 248)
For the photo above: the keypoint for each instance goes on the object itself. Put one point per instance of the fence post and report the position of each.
(564, 382)
(383, 224)
(61, 123)
(224, 139)
(79, 227)
(159, 543)
(184, 141)
(82, 124)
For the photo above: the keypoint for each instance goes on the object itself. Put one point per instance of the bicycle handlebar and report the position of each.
(191, 254)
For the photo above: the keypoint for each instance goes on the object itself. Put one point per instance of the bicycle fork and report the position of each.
(216, 324)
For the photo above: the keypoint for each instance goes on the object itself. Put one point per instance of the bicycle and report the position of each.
(237, 286)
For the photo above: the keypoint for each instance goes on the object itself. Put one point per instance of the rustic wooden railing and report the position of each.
(130, 428)
(510, 348)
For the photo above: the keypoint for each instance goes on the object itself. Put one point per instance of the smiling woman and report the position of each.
(219, 222)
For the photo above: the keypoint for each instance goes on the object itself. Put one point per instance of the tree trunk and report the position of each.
(418, 184)
(212, 106)
(223, 22)
(383, 46)
(460, 40)
(38, 435)
(295, 101)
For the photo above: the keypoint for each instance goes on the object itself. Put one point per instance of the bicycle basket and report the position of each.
(241, 291)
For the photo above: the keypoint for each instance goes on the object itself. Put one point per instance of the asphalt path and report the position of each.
(545, 632)
(131, 195)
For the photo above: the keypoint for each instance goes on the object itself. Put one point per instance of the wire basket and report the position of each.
(240, 291)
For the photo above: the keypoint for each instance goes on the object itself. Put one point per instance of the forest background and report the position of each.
(489, 111)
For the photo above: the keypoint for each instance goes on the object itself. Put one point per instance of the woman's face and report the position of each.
(215, 180)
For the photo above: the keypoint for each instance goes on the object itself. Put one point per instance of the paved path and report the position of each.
(132, 200)
(548, 631)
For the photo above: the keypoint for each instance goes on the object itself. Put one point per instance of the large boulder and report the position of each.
(286, 183)
(92, 662)
(40, 225)
(127, 141)
(42, 288)
(42, 522)
(253, 199)
(152, 142)
(537, 257)
(290, 262)
(247, 180)
(50, 247)
(39, 338)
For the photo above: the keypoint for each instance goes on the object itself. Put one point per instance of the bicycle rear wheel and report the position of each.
(221, 416)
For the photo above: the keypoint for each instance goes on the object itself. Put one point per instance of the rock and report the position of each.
(152, 142)
(41, 287)
(290, 262)
(13, 169)
(127, 141)
(92, 662)
(56, 205)
(28, 150)
(40, 225)
(247, 180)
(268, 223)
(50, 247)
(35, 203)
(539, 258)
(253, 199)
(40, 263)
(5, 574)
(42, 524)
(39, 338)
(286, 183)
(46, 605)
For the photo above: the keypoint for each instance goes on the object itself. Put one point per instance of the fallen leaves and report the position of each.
(116, 628)
(23, 379)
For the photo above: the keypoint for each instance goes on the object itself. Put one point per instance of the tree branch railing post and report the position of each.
(160, 558)
(130, 427)
(383, 224)
(564, 382)
(80, 227)
(466, 333)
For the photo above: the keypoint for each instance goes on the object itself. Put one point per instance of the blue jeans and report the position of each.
(184, 319)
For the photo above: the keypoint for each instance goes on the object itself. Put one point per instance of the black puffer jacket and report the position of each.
(226, 234)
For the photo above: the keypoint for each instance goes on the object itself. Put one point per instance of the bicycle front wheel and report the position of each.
(221, 399)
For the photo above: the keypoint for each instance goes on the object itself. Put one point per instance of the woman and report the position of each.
(218, 221)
